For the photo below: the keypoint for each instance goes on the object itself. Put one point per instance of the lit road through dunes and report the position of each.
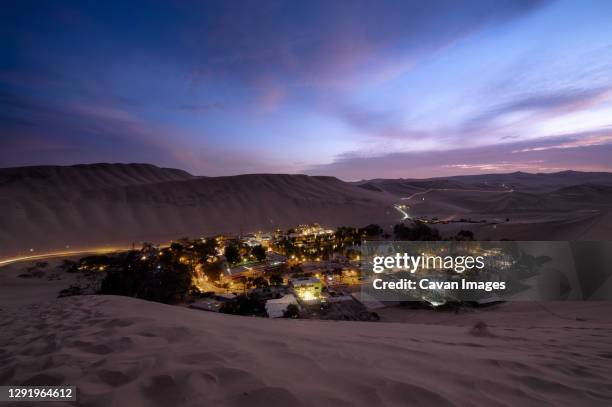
(65, 253)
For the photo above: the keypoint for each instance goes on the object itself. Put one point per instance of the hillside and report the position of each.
(520, 181)
(49, 208)
(86, 176)
(567, 205)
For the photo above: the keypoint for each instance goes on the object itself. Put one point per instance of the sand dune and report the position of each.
(520, 181)
(121, 351)
(87, 176)
(580, 226)
(49, 208)
(567, 205)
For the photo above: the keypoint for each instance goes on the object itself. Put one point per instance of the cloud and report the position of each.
(586, 140)
(186, 86)
(86, 132)
(588, 152)
(387, 130)
(549, 103)
(329, 45)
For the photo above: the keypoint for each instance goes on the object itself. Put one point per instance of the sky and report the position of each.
(357, 90)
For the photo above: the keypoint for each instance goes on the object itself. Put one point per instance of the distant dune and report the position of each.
(567, 205)
(49, 208)
(84, 206)
(521, 181)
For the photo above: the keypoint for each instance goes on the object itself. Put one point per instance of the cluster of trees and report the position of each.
(325, 245)
(245, 305)
(292, 311)
(163, 275)
(194, 251)
(161, 279)
(464, 235)
(321, 246)
(346, 236)
(234, 253)
(372, 230)
(261, 281)
(253, 304)
(419, 231)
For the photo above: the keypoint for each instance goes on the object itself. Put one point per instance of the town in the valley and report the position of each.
(309, 271)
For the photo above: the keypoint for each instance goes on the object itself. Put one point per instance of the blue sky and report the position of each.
(351, 89)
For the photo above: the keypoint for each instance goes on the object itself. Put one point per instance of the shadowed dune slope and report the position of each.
(51, 207)
(87, 176)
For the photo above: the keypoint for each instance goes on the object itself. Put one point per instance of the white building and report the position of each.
(276, 308)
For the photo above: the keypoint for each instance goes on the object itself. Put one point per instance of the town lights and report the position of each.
(307, 295)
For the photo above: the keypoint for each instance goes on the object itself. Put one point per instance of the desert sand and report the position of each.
(90, 206)
(123, 351)
(568, 205)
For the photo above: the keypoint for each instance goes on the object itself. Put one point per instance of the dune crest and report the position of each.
(49, 208)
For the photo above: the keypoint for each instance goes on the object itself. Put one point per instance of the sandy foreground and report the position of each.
(123, 351)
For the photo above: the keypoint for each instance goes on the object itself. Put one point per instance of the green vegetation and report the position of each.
(276, 279)
(245, 305)
(162, 275)
(232, 254)
(162, 280)
(418, 231)
(292, 311)
(372, 230)
(466, 235)
(259, 253)
(323, 245)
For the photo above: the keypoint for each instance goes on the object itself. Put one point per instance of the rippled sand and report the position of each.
(123, 351)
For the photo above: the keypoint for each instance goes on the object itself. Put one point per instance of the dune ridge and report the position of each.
(53, 207)
(568, 205)
(540, 182)
(49, 208)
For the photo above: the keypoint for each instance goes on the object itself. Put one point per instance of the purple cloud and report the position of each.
(588, 152)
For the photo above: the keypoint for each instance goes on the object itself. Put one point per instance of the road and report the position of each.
(405, 215)
(401, 210)
(65, 253)
(453, 189)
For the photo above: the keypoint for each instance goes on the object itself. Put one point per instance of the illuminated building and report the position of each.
(307, 288)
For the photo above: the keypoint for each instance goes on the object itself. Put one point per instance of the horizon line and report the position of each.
(93, 164)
